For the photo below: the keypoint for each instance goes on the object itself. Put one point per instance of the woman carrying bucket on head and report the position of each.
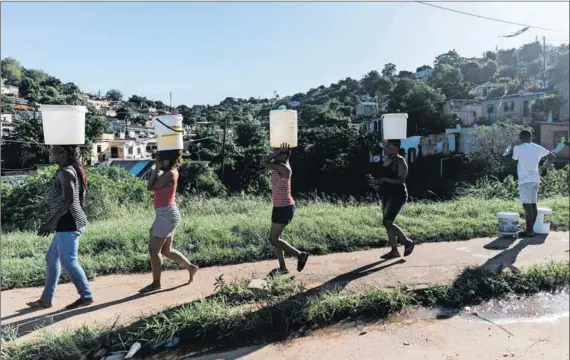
(394, 196)
(163, 182)
(67, 219)
(283, 207)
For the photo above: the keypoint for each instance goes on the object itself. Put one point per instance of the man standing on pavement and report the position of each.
(528, 155)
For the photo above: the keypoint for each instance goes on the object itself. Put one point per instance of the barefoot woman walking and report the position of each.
(283, 207)
(162, 183)
(394, 196)
(68, 220)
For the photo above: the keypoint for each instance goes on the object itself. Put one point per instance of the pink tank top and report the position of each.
(166, 195)
(281, 191)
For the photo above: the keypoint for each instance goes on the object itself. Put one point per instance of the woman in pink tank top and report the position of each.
(162, 183)
(283, 207)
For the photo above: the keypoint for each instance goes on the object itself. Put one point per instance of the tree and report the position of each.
(450, 58)
(530, 52)
(389, 70)
(450, 81)
(383, 85)
(7, 104)
(423, 67)
(405, 74)
(547, 105)
(11, 71)
(423, 104)
(369, 81)
(507, 57)
(491, 55)
(125, 113)
(114, 95)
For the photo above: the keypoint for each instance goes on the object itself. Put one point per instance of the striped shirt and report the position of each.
(281, 190)
(74, 219)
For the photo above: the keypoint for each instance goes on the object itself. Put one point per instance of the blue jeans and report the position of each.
(63, 248)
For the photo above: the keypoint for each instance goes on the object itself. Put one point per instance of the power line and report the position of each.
(487, 18)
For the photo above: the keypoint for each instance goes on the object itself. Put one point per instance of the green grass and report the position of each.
(236, 316)
(236, 230)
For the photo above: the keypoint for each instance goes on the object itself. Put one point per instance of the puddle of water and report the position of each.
(542, 307)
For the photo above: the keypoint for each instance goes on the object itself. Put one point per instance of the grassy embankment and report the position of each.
(237, 315)
(235, 230)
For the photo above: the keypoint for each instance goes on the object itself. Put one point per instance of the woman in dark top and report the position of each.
(68, 220)
(394, 196)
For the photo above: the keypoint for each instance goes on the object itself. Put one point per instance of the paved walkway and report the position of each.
(117, 296)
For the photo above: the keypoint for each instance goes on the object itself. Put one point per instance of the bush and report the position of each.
(554, 183)
(24, 204)
(197, 178)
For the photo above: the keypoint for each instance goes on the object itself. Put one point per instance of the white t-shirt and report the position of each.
(528, 156)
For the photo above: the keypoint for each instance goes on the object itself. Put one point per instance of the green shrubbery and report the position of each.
(554, 183)
(24, 204)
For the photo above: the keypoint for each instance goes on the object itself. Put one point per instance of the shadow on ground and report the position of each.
(29, 325)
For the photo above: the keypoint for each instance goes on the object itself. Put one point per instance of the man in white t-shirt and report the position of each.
(528, 155)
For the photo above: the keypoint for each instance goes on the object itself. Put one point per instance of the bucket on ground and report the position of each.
(283, 128)
(63, 124)
(543, 221)
(169, 132)
(508, 224)
(394, 126)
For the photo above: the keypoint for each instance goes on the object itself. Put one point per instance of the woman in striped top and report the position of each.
(283, 207)
(68, 220)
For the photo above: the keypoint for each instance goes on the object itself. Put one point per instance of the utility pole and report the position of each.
(544, 60)
(170, 101)
(224, 147)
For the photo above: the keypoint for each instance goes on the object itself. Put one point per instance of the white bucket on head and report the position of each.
(63, 124)
(508, 224)
(394, 126)
(169, 132)
(283, 128)
(543, 221)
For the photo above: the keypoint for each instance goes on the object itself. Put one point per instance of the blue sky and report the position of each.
(205, 52)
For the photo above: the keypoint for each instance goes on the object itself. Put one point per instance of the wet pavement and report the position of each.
(514, 327)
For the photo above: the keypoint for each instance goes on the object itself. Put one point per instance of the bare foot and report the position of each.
(391, 255)
(39, 304)
(191, 272)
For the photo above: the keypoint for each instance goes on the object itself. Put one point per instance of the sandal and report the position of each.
(409, 248)
(391, 255)
(524, 234)
(79, 303)
(39, 304)
(302, 261)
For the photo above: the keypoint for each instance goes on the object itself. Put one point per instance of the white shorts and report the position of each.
(529, 192)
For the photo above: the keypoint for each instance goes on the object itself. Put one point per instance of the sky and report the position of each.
(205, 52)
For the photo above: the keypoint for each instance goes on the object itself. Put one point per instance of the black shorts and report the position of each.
(391, 206)
(283, 215)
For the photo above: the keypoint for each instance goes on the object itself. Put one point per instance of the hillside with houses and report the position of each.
(445, 102)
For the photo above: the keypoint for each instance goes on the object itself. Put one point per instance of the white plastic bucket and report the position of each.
(543, 221)
(508, 224)
(63, 124)
(394, 126)
(283, 128)
(169, 132)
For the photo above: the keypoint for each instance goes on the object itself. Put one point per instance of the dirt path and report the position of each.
(117, 296)
(452, 339)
